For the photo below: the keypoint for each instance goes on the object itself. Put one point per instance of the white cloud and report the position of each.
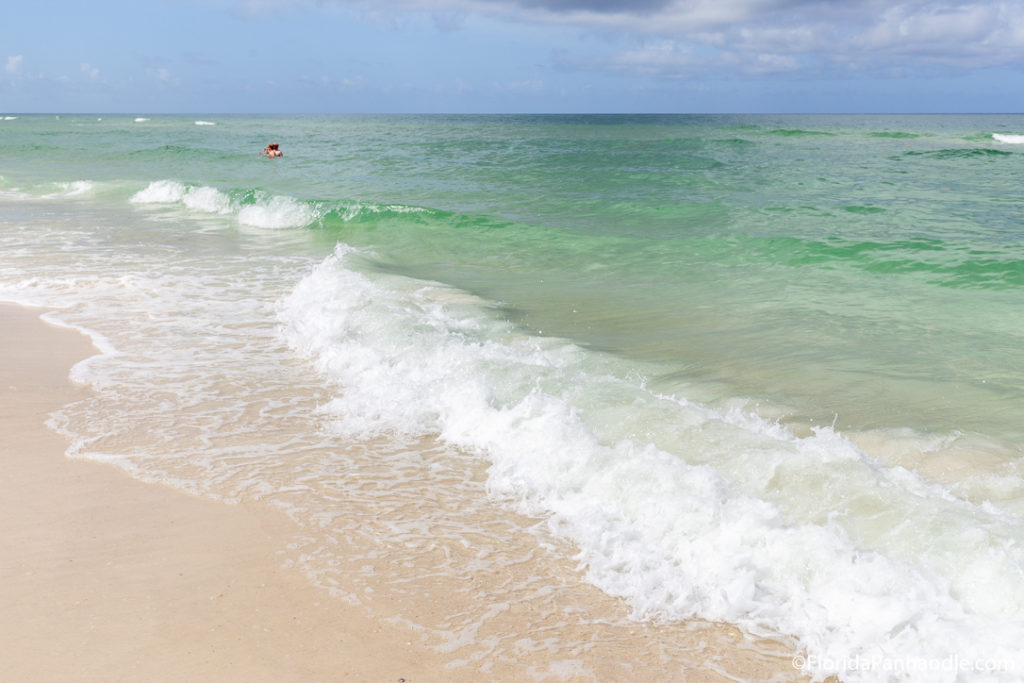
(673, 60)
(970, 35)
(163, 76)
(14, 64)
(532, 86)
(762, 35)
(90, 71)
(768, 64)
(665, 58)
(353, 82)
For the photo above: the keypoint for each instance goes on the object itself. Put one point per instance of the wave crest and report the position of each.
(278, 212)
(1008, 139)
(160, 192)
(720, 534)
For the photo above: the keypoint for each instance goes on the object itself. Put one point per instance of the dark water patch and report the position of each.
(798, 132)
(797, 251)
(940, 262)
(894, 135)
(967, 273)
(697, 163)
(172, 150)
(954, 154)
(739, 143)
(863, 210)
(985, 274)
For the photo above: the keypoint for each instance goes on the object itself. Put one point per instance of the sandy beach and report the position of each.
(106, 578)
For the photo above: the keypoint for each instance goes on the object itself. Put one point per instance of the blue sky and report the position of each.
(340, 56)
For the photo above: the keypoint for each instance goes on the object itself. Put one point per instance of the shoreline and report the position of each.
(106, 577)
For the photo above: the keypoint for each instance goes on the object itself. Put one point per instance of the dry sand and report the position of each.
(105, 578)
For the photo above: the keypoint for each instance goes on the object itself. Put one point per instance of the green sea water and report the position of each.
(822, 314)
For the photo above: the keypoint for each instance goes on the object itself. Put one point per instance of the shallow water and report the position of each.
(756, 370)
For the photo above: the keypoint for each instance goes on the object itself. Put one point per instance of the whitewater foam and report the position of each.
(160, 192)
(198, 198)
(76, 188)
(264, 211)
(207, 200)
(277, 212)
(741, 522)
(1008, 139)
(49, 191)
(877, 546)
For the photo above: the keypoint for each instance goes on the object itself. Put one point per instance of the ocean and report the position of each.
(766, 371)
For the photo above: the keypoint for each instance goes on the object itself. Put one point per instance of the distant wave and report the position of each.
(895, 135)
(49, 190)
(76, 188)
(160, 192)
(141, 120)
(257, 209)
(10, 118)
(797, 132)
(961, 153)
(198, 198)
(1008, 139)
(205, 123)
(277, 212)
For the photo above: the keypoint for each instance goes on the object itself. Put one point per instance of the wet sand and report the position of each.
(106, 578)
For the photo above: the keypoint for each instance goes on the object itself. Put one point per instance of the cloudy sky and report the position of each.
(330, 56)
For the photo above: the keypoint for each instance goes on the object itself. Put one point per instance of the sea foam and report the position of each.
(76, 188)
(265, 211)
(160, 192)
(703, 513)
(207, 200)
(197, 198)
(277, 212)
(1008, 139)
(50, 191)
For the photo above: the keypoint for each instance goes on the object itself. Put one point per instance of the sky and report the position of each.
(511, 56)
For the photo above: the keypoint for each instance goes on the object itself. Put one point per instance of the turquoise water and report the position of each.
(760, 369)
